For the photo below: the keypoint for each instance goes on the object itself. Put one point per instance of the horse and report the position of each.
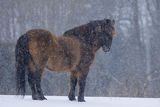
(72, 52)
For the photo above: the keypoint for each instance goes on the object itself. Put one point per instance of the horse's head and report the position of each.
(104, 31)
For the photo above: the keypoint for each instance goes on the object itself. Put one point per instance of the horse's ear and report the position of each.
(107, 20)
(110, 21)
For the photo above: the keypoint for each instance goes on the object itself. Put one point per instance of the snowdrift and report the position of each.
(62, 101)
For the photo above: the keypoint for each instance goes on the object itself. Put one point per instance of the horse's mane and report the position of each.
(83, 32)
(86, 28)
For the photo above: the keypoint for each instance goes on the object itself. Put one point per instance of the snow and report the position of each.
(61, 101)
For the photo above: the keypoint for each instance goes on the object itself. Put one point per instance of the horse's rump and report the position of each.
(40, 44)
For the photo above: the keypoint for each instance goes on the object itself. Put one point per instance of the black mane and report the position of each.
(83, 32)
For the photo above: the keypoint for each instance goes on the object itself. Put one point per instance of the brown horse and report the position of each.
(74, 52)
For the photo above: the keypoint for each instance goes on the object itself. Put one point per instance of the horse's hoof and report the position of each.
(42, 98)
(81, 99)
(71, 98)
(39, 98)
(35, 98)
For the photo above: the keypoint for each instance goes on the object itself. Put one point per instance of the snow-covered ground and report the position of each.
(62, 101)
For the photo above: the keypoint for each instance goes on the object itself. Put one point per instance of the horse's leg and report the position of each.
(38, 85)
(34, 79)
(32, 83)
(81, 83)
(73, 83)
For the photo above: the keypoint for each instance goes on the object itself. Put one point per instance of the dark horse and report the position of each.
(73, 52)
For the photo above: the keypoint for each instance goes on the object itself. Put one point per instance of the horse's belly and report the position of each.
(58, 64)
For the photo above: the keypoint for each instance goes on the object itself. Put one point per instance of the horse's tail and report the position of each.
(22, 62)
